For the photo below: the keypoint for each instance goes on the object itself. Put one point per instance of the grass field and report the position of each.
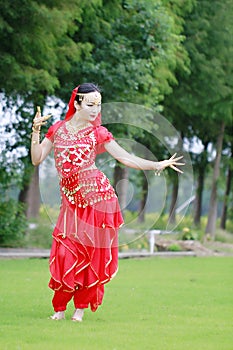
(157, 303)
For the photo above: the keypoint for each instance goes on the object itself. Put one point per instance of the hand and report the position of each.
(171, 162)
(38, 121)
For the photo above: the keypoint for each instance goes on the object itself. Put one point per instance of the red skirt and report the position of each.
(84, 250)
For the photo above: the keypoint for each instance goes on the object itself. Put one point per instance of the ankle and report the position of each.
(78, 315)
(59, 315)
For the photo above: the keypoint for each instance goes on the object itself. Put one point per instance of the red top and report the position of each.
(76, 151)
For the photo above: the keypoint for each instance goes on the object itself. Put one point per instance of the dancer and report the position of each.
(84, 253)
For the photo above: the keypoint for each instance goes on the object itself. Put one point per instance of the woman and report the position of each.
(84, 253)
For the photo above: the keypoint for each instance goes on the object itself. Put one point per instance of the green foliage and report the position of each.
(189, 234)
(13, 224)
(39, 236)
(39, 233)
(136, 46)
(174, 248)
(224, 236)
(16, 232)
(202, 101)
(137, 50)
(34, 46)
(206, 92)
(9, 171)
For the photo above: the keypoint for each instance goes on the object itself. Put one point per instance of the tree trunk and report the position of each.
(34, 195)
(172, 210)
(200, 186)
(198, 199)
(212, 214)
(144, 192)
(226, 196)
(175, 187)
(30, 195)
(23, 196)
(121, 175)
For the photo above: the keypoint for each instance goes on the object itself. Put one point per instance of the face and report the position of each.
(90, 106)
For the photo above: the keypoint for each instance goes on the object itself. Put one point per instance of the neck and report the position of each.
(77, 122)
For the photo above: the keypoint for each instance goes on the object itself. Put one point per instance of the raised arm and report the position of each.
(135, 162)
(39, 151)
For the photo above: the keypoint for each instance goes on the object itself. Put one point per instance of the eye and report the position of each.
(94, 104)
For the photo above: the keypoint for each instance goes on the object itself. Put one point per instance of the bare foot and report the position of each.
(60, 315)
(78, 315)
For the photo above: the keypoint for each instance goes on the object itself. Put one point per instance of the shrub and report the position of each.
(188, 234)
(13, 223)
(174, 248)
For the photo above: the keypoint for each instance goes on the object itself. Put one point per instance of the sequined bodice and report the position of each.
(74, 151)
(81, 183)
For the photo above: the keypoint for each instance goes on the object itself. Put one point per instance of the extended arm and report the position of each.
(135, 162)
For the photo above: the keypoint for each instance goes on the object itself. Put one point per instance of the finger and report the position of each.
(38, 112)
(178, 163)
(46, 117)
(38, 122)
(177, 158)
(172, 157)
(176, 169)
(42, 122)
(173, 162)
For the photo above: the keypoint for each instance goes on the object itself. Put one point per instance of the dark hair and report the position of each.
(85, 88)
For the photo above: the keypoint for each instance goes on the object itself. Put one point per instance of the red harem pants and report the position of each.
(82, 298)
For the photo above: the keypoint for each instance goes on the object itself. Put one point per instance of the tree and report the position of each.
(136, 48)
(228, 174)
(33, 50)
(130, 47)
(206, 93)
(212, 214)
(200, 163)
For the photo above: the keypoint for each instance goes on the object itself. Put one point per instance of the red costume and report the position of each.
(84, 253)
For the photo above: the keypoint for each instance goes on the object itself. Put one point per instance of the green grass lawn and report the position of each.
(157, 303)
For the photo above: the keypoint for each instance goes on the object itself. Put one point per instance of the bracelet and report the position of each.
(157, 171)
(37, 140)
